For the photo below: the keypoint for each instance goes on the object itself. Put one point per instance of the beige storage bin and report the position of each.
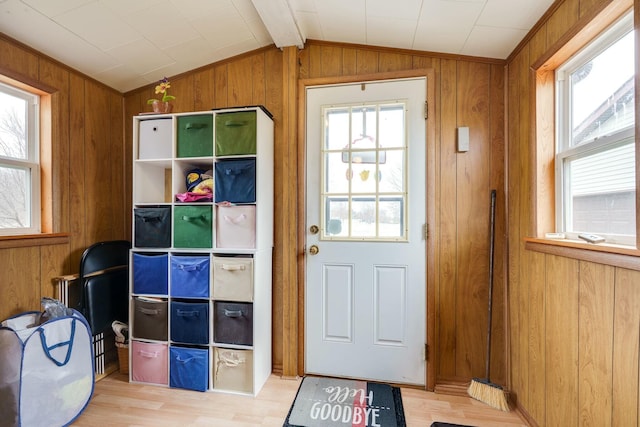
(233, 279)
(233, 370)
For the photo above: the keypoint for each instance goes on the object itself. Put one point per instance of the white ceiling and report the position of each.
(127, 44)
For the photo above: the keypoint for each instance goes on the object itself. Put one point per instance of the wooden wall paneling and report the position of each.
(514, 234)
(313, 61)
(595, 337)
(274, 101)
(626, 333)
(562, 19)
(120, 153)
(132, 106)
(182, 88)
(496, 166)
(368, 62)
(447, 227)
(53, 263)
(426, 62)
(535, 395)
(240, 82)
(288, 155)
(331, 61)
(304, 62)
(562, 293)
(78, 200)
(204, 89)
(21, 280)
(258, 77)
(97, 171)
(585, 6)
(53, 75)
(525, 190)
(221, 75)
(389, 61)
(472, 202)
(14, 60)
(349, 61)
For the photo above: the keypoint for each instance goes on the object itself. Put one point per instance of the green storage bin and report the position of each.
(195, 136)
(192, 227)
(236, 133)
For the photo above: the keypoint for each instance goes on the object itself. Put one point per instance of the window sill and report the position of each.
(25, 240)
(602, 253)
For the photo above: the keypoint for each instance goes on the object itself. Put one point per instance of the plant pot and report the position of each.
(162, 107)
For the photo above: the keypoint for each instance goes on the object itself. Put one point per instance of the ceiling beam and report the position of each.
(280, 22)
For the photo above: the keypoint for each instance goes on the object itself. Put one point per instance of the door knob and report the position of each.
(314, 229)
(314, 249)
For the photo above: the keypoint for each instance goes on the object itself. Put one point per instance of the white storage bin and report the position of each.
(233, 370)
(233, 279)
(155, 139)
(236, 227)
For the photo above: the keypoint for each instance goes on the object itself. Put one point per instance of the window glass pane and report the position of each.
(13, 125)
(602, 192)
(392, 119)
(391, 173)
(337, 217)
(337, 173)
(363, 217)
(602, 93)
(391, 217)
(336, 128)
(14, 198)
(364, 183)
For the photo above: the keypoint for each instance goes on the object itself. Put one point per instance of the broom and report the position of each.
(483, 389)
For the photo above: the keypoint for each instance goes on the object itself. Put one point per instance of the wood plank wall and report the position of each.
(92, 180)
(573, 324)
(87, 177)
(469, 92)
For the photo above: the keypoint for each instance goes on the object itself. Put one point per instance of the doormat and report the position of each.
(330, 402)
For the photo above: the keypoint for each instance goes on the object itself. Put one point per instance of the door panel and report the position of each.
(365, 285)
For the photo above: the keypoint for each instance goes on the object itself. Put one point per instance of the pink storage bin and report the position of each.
(149, 362)
(236, 226)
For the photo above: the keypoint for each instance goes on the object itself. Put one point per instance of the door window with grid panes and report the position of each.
(364, 159)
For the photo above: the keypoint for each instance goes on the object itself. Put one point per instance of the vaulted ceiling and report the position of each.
(127, 44)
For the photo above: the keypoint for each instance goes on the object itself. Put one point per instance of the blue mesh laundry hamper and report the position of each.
(46, 370)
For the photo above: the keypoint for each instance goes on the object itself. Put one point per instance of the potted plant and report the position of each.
(162, 105)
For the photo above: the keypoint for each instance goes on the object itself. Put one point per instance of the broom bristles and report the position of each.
(489, 393)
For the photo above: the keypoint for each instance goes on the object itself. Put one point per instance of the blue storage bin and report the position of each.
(189, 368)
(236, 181)
(150, 273)
(190, 276)
(190, 322)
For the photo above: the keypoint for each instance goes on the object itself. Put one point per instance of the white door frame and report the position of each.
(430, 198)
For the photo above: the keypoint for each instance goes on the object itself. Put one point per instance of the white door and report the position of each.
(365, 290)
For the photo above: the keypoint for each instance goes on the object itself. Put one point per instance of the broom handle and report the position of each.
(492, 217)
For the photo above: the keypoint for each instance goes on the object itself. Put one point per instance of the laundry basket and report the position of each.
(46, 370)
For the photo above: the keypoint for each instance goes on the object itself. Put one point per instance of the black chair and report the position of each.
(103, 297)
(104, 284)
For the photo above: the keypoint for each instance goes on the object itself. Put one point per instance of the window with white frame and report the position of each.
(19, 162)
(595, 150)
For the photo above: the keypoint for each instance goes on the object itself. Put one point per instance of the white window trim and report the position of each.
(564, 126)
(31, 163)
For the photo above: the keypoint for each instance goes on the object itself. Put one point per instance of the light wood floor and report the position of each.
(116, 402)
